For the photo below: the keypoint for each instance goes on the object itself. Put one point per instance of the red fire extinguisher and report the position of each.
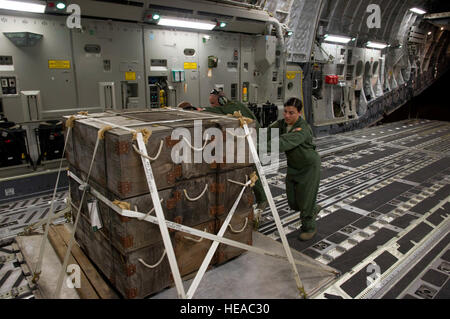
(331, 79)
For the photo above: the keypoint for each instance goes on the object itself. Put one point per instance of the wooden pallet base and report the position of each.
(92, 284)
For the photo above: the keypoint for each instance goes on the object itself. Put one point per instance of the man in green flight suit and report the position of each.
(303, 173)
(221, 105)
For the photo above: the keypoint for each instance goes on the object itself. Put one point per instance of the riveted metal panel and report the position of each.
(121, 51)
(222, 46)
(31, 68)
(170, 45)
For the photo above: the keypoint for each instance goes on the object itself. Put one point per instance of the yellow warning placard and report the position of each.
(58, 64)
(190, 65)
(130, 76)
(290, 75)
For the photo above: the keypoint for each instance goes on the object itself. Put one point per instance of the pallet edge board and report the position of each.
(86, 291)
(99, 285)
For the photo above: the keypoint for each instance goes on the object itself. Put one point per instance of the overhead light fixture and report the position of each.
(36, 6)
(442, 28)
(429, 33)
(376, 45)
(190, 24)
(337, 38)
(60, 5)
(222, 24)
(417, 10)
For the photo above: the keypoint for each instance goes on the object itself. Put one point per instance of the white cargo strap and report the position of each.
(50, 216)
(235, 135)
(175, 121)
(113, 125)
(240, 230)
(161, 219)
(72, 237)
(196, 198)
(273, 208)
(210, 116)
(189, 230)
(29, 230)
(239, 183)
(155, 265)
(128, 127)
(234, 182)
(148, 157)
(215, 244)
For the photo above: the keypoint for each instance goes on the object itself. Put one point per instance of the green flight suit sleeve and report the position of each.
(291, 140)
(210, 109)
(275, 124)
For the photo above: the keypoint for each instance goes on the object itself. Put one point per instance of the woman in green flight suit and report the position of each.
(303, 173)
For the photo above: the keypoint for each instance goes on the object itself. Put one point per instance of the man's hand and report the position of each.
(188, 106)
(184, 105)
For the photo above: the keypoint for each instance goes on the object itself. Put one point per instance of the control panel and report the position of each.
(9, 85)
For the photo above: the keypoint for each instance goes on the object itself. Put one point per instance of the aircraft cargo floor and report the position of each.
(385, 224)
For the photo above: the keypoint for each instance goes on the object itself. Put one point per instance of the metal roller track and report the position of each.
(347, 193)
(14, 274)
(15, 216)
(420, 147)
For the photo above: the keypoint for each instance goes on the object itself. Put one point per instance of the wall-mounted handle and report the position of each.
(316, 84)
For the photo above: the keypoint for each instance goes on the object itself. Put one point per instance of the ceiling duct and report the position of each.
(170, 9)
(124, 2)
(242, 4)
(215, 15)
(244, 18)
(441, 19)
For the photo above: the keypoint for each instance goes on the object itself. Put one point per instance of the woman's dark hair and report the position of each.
(293, 101)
